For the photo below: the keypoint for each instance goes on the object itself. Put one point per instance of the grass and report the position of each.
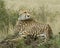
(21, 43)
(52, 43)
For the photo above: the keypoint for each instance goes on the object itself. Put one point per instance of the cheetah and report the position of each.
(26, 25)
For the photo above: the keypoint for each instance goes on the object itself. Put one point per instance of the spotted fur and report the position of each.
(30, 26)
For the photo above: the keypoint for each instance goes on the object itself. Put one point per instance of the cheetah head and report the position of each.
(24, 16)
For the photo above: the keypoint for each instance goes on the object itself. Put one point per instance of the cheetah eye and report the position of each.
(25, 12)
(28, 16)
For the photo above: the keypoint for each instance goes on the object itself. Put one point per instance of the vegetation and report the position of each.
(52, 43)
